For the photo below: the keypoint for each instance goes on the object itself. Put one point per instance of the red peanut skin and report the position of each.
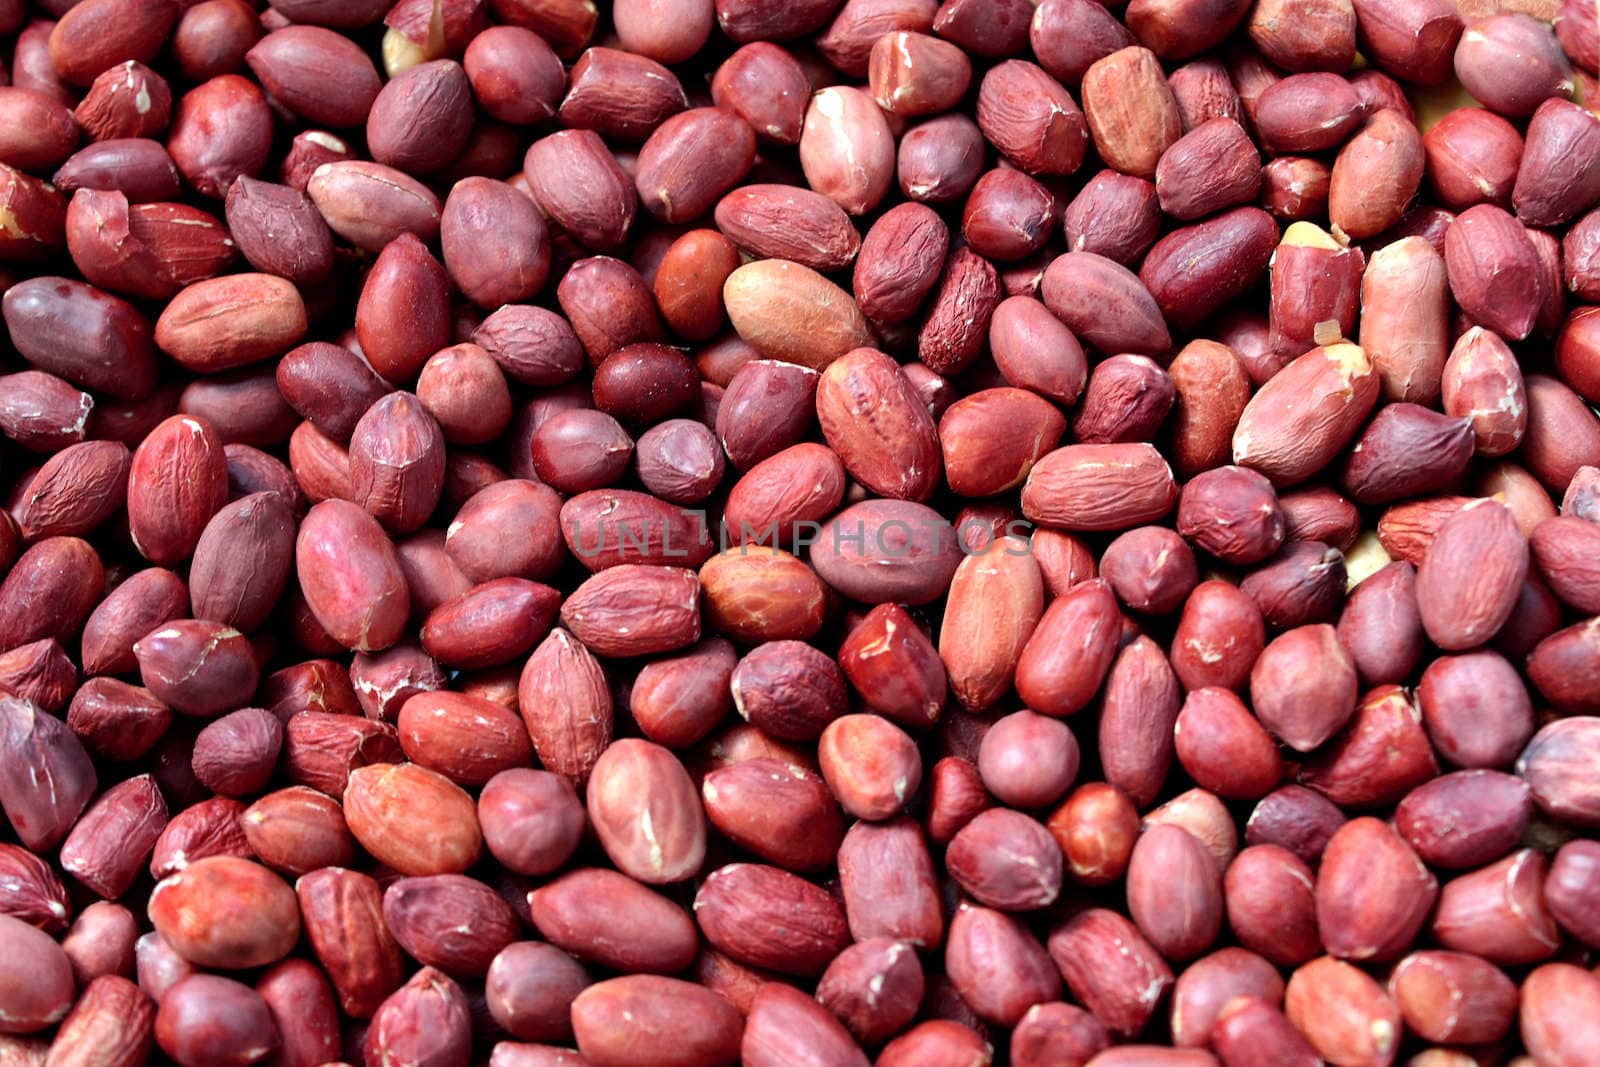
(889, 885)
(1141, 706)
(1175, 891)
(351, 576)
(899, 427)
(140, 492)
(406, 277)
(177, 481)
(302, 1004)
(1110, 968)
(784, 1025)
(427, 1018)
(570, 912)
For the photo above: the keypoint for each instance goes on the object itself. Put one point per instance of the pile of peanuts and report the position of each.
(803, 533)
